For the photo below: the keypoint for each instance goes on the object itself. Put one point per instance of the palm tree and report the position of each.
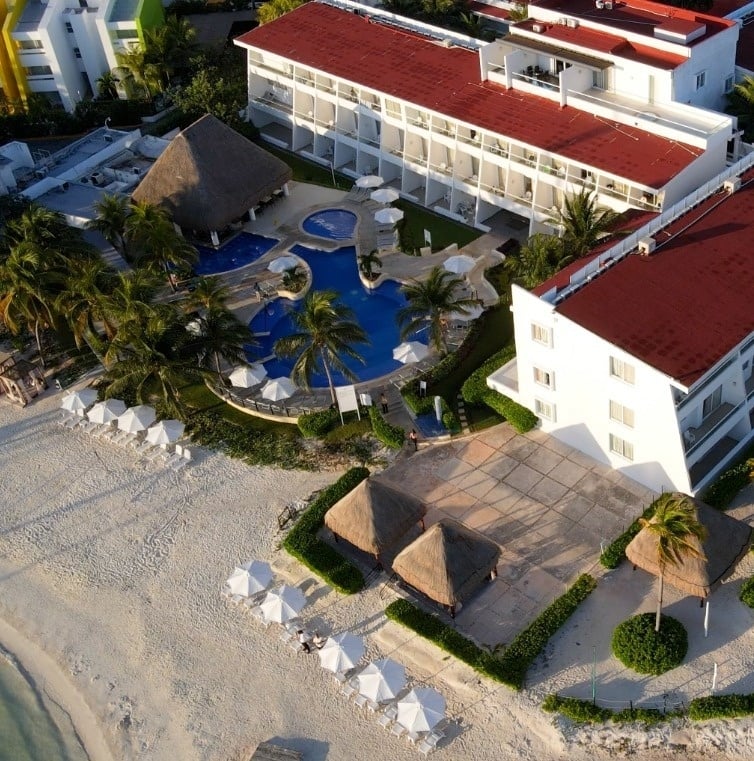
(219, 335)
(539, 259)
(112, 214)
(676, 526)
(519, 13)
(107, 86)
(741, 103)
(170, 47)
(368, 262)
(326, 331)
(431, 301)
(275, 9)
(209, 293)
(583, 222)
(145, 72)
(129, 304)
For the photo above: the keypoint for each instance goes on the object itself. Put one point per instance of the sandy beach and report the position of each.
(110, 579)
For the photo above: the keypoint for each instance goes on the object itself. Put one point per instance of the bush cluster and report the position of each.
(721, 707)
(317, 424)
(392, 436)
(746, 595)
(302, 541)
(584, 711)
(615, 552)
(637, 645)
(521, 418)
(720, 493)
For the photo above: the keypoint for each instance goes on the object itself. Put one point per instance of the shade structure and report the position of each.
(250, 578)
(388, 216)
(283, 604)
(136, 419)
(421, 710)
(471, 314)
(727, 542)
(247, 376)
(369, 181)
(107, 411)
(282, 264)
(410, 351)
(459, 264)
(277, 389)
(447, 562)
(341, 652)
(374, 516)
(385, 195)
(165, 432)
(382, 680)
(78, 401)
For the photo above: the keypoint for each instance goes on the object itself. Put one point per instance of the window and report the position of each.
(621, 447)
(68, 27)
(544, 409)
(622, 370)
(77, 52)
(728, 86)
(621, 414)
(126, 34)
(701, 79)
(543, 377)
(35, 45)
(712, 402)
(38, 71)
(541, 334)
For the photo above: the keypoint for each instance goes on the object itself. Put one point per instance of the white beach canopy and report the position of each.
(283, 604)
(107, 411)
(388, 216)
(282, 264)
(341, 652)
(136, 419)
(78, 401)
(421, 710)
(247, 376)
(382, 680)
(277, 389)
(385, 195)
(250, 578)
(369, 181)
(410, 351)
(165, 432)
(459, 264)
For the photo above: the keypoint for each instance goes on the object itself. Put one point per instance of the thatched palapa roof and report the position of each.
(447, 562)
(374, 516)
(726, 544)
(210, 175)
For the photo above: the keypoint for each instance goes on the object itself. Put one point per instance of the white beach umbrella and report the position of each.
(473, 313)
(341, 652)
(459, 264)
(107, 411)
(250, 578)
(78, 401)
(194, 327)
(282, 264)
(385, 195)
(277, 389)
(283, 604)
(410, 351)
(369, 181)
(382, 680)
(422, 709)
(388, 216)
(165, 432)
(136, 419)
(247, 376)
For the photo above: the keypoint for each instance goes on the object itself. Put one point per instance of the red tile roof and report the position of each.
(684, 308)
(447, 80)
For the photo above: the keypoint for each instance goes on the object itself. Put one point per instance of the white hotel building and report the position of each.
(618, 102)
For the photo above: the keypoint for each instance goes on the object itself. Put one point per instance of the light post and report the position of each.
(332, 172)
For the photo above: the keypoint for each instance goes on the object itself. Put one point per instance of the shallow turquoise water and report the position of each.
(32, 727)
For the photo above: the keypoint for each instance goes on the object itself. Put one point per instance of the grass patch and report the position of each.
(615, 552)
(349, 430)
(444, 231)
(637, 645)
(308, 171)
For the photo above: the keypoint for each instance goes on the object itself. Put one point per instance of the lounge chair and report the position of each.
(181, 460)
(347, 690)
(397, 730)
(360, 701)
(385, 721)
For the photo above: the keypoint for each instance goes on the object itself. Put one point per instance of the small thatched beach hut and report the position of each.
(210, 176)
(448, 562)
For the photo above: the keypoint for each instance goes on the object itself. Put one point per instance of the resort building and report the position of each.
(60, 48)
(642, 354)
(487, 133)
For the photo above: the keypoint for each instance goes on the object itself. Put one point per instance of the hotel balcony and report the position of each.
(505, 380)
(270, 102)
(712, 461)
(693, 438)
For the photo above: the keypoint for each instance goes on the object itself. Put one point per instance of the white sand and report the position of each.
(114, 569)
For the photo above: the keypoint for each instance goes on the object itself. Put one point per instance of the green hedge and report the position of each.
(585, 712)
(303, 544)
(721, 707)
(637, 645)
(392, 436)
(746, 595)
(725, 487)
(615, 552)
(521, 418)
(317, 424)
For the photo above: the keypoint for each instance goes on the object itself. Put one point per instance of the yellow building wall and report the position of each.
(11, 70)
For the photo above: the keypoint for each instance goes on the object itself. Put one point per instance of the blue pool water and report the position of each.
(244, 249)
(429, 425)
(374, 310)
(333, 224)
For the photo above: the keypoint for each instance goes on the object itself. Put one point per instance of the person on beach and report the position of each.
(304, 641)
(414, 439)
(383, 402)
(318, 640)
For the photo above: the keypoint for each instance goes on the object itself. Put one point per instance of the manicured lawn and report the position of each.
(307, 171)
(444, 231)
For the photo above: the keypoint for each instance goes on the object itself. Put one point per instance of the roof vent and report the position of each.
(97, 178)
(538, 28)
(732, 185)
(447, 42)
(573, 23)
(647, 246)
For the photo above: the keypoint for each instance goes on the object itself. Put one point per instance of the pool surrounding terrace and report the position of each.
(239, 252)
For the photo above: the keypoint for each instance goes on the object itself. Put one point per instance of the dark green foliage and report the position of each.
(582, 711)
(721, 707)
(646, 716)
(392, 436)
(303, 544)
(721, 492)
(615, 552)
(637, 645)
(317, 424)
(746, 595)
(521, 418)
(450, 419)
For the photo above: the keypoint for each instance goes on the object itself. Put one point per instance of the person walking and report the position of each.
(383, 402)
(414, 439)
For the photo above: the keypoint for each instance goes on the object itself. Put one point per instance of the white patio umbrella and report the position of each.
(277, 389)
(388, 216)
(78, 401)
(459, 264)
(107, 411)
(283, 604)
(247, 376)
(165, 432)
(341, 652)
(136, 419)
(410, 351)
(194, 327)
(422, 709)
(282, 264)
(385, 195)
(382, 680)
(473, 313)
(369, 181)
(250, 578)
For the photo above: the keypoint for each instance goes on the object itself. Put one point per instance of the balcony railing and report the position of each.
(271, 101)
(420, 160)
(694, 437)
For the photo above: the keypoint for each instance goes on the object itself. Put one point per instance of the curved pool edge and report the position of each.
(352, 239)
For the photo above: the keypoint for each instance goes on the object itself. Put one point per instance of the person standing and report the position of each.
(383, 402)
(414, 439)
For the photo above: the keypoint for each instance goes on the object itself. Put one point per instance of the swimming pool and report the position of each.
(244, 249)
(333, 224)
(374, 310)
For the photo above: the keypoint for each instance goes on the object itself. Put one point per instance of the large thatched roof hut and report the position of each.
(448, 562)
(374, 516)
(210, 176)
(726, 544)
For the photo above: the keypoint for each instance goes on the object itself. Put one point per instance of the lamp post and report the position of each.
(332, 172)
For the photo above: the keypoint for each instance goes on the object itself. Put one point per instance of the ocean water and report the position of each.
(32, 727)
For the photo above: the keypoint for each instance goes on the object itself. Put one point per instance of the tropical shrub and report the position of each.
(746, 595)
(392, 436)
(721, 707)
(637, 645)
(721, 491)
(582, 711)
(317, 424)
(521, 418)
(615, 552)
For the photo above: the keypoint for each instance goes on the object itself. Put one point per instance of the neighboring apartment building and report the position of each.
(642, 355)
(476, 130)
(60, 48)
